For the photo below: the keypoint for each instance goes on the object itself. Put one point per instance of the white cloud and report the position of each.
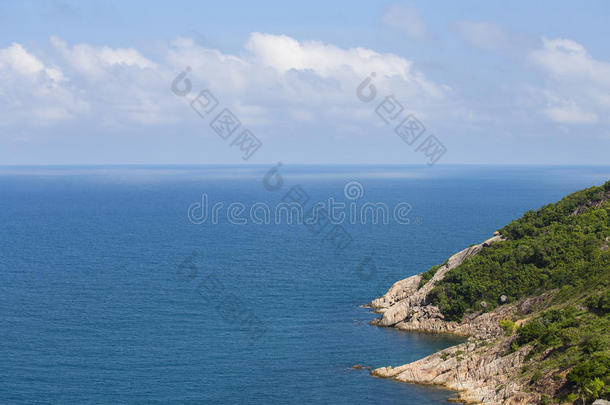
(406, 18)
(55, 74)
(34, 93)
(211, 65)
(570, 114)
(276, 78)
(280, 78)
(578, 85)
(94, 61)
(567, 59)
(483, 35)
(283, 53)
(16, 58)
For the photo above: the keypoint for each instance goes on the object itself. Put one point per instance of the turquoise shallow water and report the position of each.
(109, 294)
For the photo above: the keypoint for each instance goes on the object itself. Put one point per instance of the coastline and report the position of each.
(478, 370)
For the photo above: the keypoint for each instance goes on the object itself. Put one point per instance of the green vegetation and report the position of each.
(561, 251)
(572, 336)
(427, 276)
(546, 249)
(507, 326)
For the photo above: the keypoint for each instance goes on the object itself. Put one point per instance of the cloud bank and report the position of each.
(277, 81)
(275, 76)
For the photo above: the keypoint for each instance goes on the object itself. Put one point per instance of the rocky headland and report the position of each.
(533, 303)
(479, 368)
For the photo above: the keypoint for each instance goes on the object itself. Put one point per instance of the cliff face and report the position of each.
(479, 369)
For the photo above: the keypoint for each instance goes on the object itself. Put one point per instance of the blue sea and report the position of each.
(109, 293)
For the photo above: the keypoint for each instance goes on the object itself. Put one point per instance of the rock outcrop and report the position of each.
(479, 368)
(591, 204)
(405, 302)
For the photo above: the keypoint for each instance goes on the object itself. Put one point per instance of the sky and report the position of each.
(488, 82)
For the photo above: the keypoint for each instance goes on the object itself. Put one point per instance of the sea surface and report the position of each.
(110, 294)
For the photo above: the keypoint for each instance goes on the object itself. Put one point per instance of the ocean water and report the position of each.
(110, 294)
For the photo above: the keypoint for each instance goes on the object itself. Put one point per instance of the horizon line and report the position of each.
(135, 165)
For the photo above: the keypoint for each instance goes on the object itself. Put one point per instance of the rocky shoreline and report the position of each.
(482, 370)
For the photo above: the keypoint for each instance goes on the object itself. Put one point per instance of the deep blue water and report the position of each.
(108, 294)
